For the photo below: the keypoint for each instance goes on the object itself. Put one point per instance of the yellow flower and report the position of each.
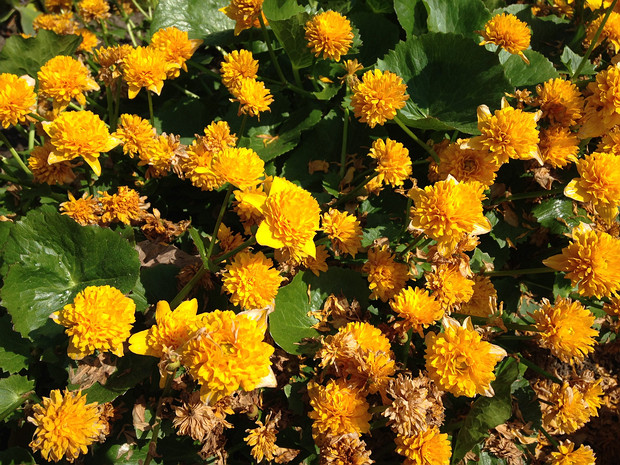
(241, 167)
(610, 142)
(565, 409)
(245, 206)
(560, 101)
(509, 32)
(64, 78)
(61, 24)
(93, 10)
(56, 6)
(318, 263)
(378, 97)
(110, 60)
(566, 455)
(459, 361)
(466, 164)
(425, 448)
(43, 172)
(602, 110)
(100, 318)
(252, 96)
(17, 99)
(484, 299)
(343, 230)
(449, 211)
(612, 308)
(177, 48)
(89, 40)
(228, 353)
(251, 280)
(145, 67)
(393, 162)
(135, 134)
(329, 33)
(66, 425)
(262, 440)
(449, 286)
(197, 167)
(337, 409)
(126, 206)
(290, 218)
(245, 13)
(591, 261)
(611, 31)
(160, 155)
(218, 137)
(79, 134)
(508, 133)
(84, 210)
(171, 331)
(558, 146)
(237, 66)
(228, 241)
(598, 183)
(385, 276)
(417, 308)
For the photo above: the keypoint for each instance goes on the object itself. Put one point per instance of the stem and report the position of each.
(31, 134)
(518, 272)
(141, 10)
(110, 100)
(104, 32)
(416, 139)
(150, 99)
(270, 48)
(117, 104)
(355, 190)
(18, 159)
(406, 217)
(189, 93)
(297, 78)
(549, 437)
(242, 128)
(207, 71)
(95, 104)
(537, 369)
(421, 240)
(235, 251)
(157, 424)
(218, 222)
(529, 195)
(594, 41)
(343, 148)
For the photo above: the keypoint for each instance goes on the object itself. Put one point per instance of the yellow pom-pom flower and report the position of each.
(79, 134)
(100, 318)
(558, 146)
(378, 96)
(251, 280)
(17, 99)
(177, 48)
(253, 97)
(417, 308)
(591, 261)
(483, 302)
(449, 211)
(228, 353)
(466, 164)
(509, 32)
(561, 102)
(245, 13)
(135, 134)
(393, 162)
(610, 32)
(459, 361)
(598, 183)
(428, 447)
(171, 331)
(566, 329)
(237, 66)
(93, 10)
(43, 172)
(330, 34)
(449, 286)
(85, 210)
(126, 206)
(66, 426)
(241, 167)
(567, 455)
(386, 277)
(344, 230)
(602, 110)
(565, 408)
(146, 67)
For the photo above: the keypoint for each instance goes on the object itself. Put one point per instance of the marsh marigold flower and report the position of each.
(61, 24)
(246, 206)
(466, 164)
(566, 329)
(449, 286)
(253, 97)
(560, 101)
(567, 455)
(393, 162)
(160, 155)
(17, 99)
(66, 425)
(93, 10)
(237, 66)
(459, 361)
(565, 409)
(318, 263)
(218, 137)
(63, 78)
(241, 167)
(135, 133)
(558, 146)
(509, 32)
(386, 277)
(56, 6)
(598, 183)
(227, 354)
(173, 328)
(196, 167)
(337, 409)
(343, 230)
(177, 48)
(290, 218)
(79, 134)
(330, 34)
(262, 440)
(610, 33)
(417, 309)
(378, 97)
(126, 206)
(507, 133)
(85, 210)
(43, 172)
(100, 318)
(345, 449)
(449, 211)
(251, 280)
(591, 261)
(145, 67)
(602, 109)
(483, 302)
(429, 447)
(245, 13)
(89, 40)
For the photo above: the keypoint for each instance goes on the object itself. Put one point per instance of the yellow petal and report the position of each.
(93, 162)
(570, 191)
(186, 310)
(265, 237)
(138, 345)
(309, 248)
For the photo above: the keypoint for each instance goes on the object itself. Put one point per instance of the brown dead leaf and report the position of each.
(153, 254)
(91, 370)
(138, 415)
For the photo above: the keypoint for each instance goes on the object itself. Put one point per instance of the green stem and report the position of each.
(297, 78)
(343, 148)
(417, 140)
(205, 70)
(594, 41)
(92, 103)
(405, 219)
(110, 101)
(37, 117)
(189, 93)
(218, 222)
(419, 242)
(150, 99)
(117, 104)
(519, 272)
(355, 190)
(130, 24)
(141, 10)
(242, 127)
(270, 48)
(31, 135)
(157, 424)
(18, 159)
(528, 195)
(104, 32)
(76, 107)
(235, 251)
(549, 437)
(537, 369)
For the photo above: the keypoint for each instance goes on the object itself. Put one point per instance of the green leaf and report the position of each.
(16, 456)
(160, 282)
(411, 15)
(380, 33)
(26, 56)
(380, 6)
(14, 351)
(118, 454)
(521, 74)
(200, 18)
(558, 215)
(487, 412)
(27, 15)
(571, 60)
(277, 10)
(52, 258)
(457, 16)
(447, 78)
(13, 392)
